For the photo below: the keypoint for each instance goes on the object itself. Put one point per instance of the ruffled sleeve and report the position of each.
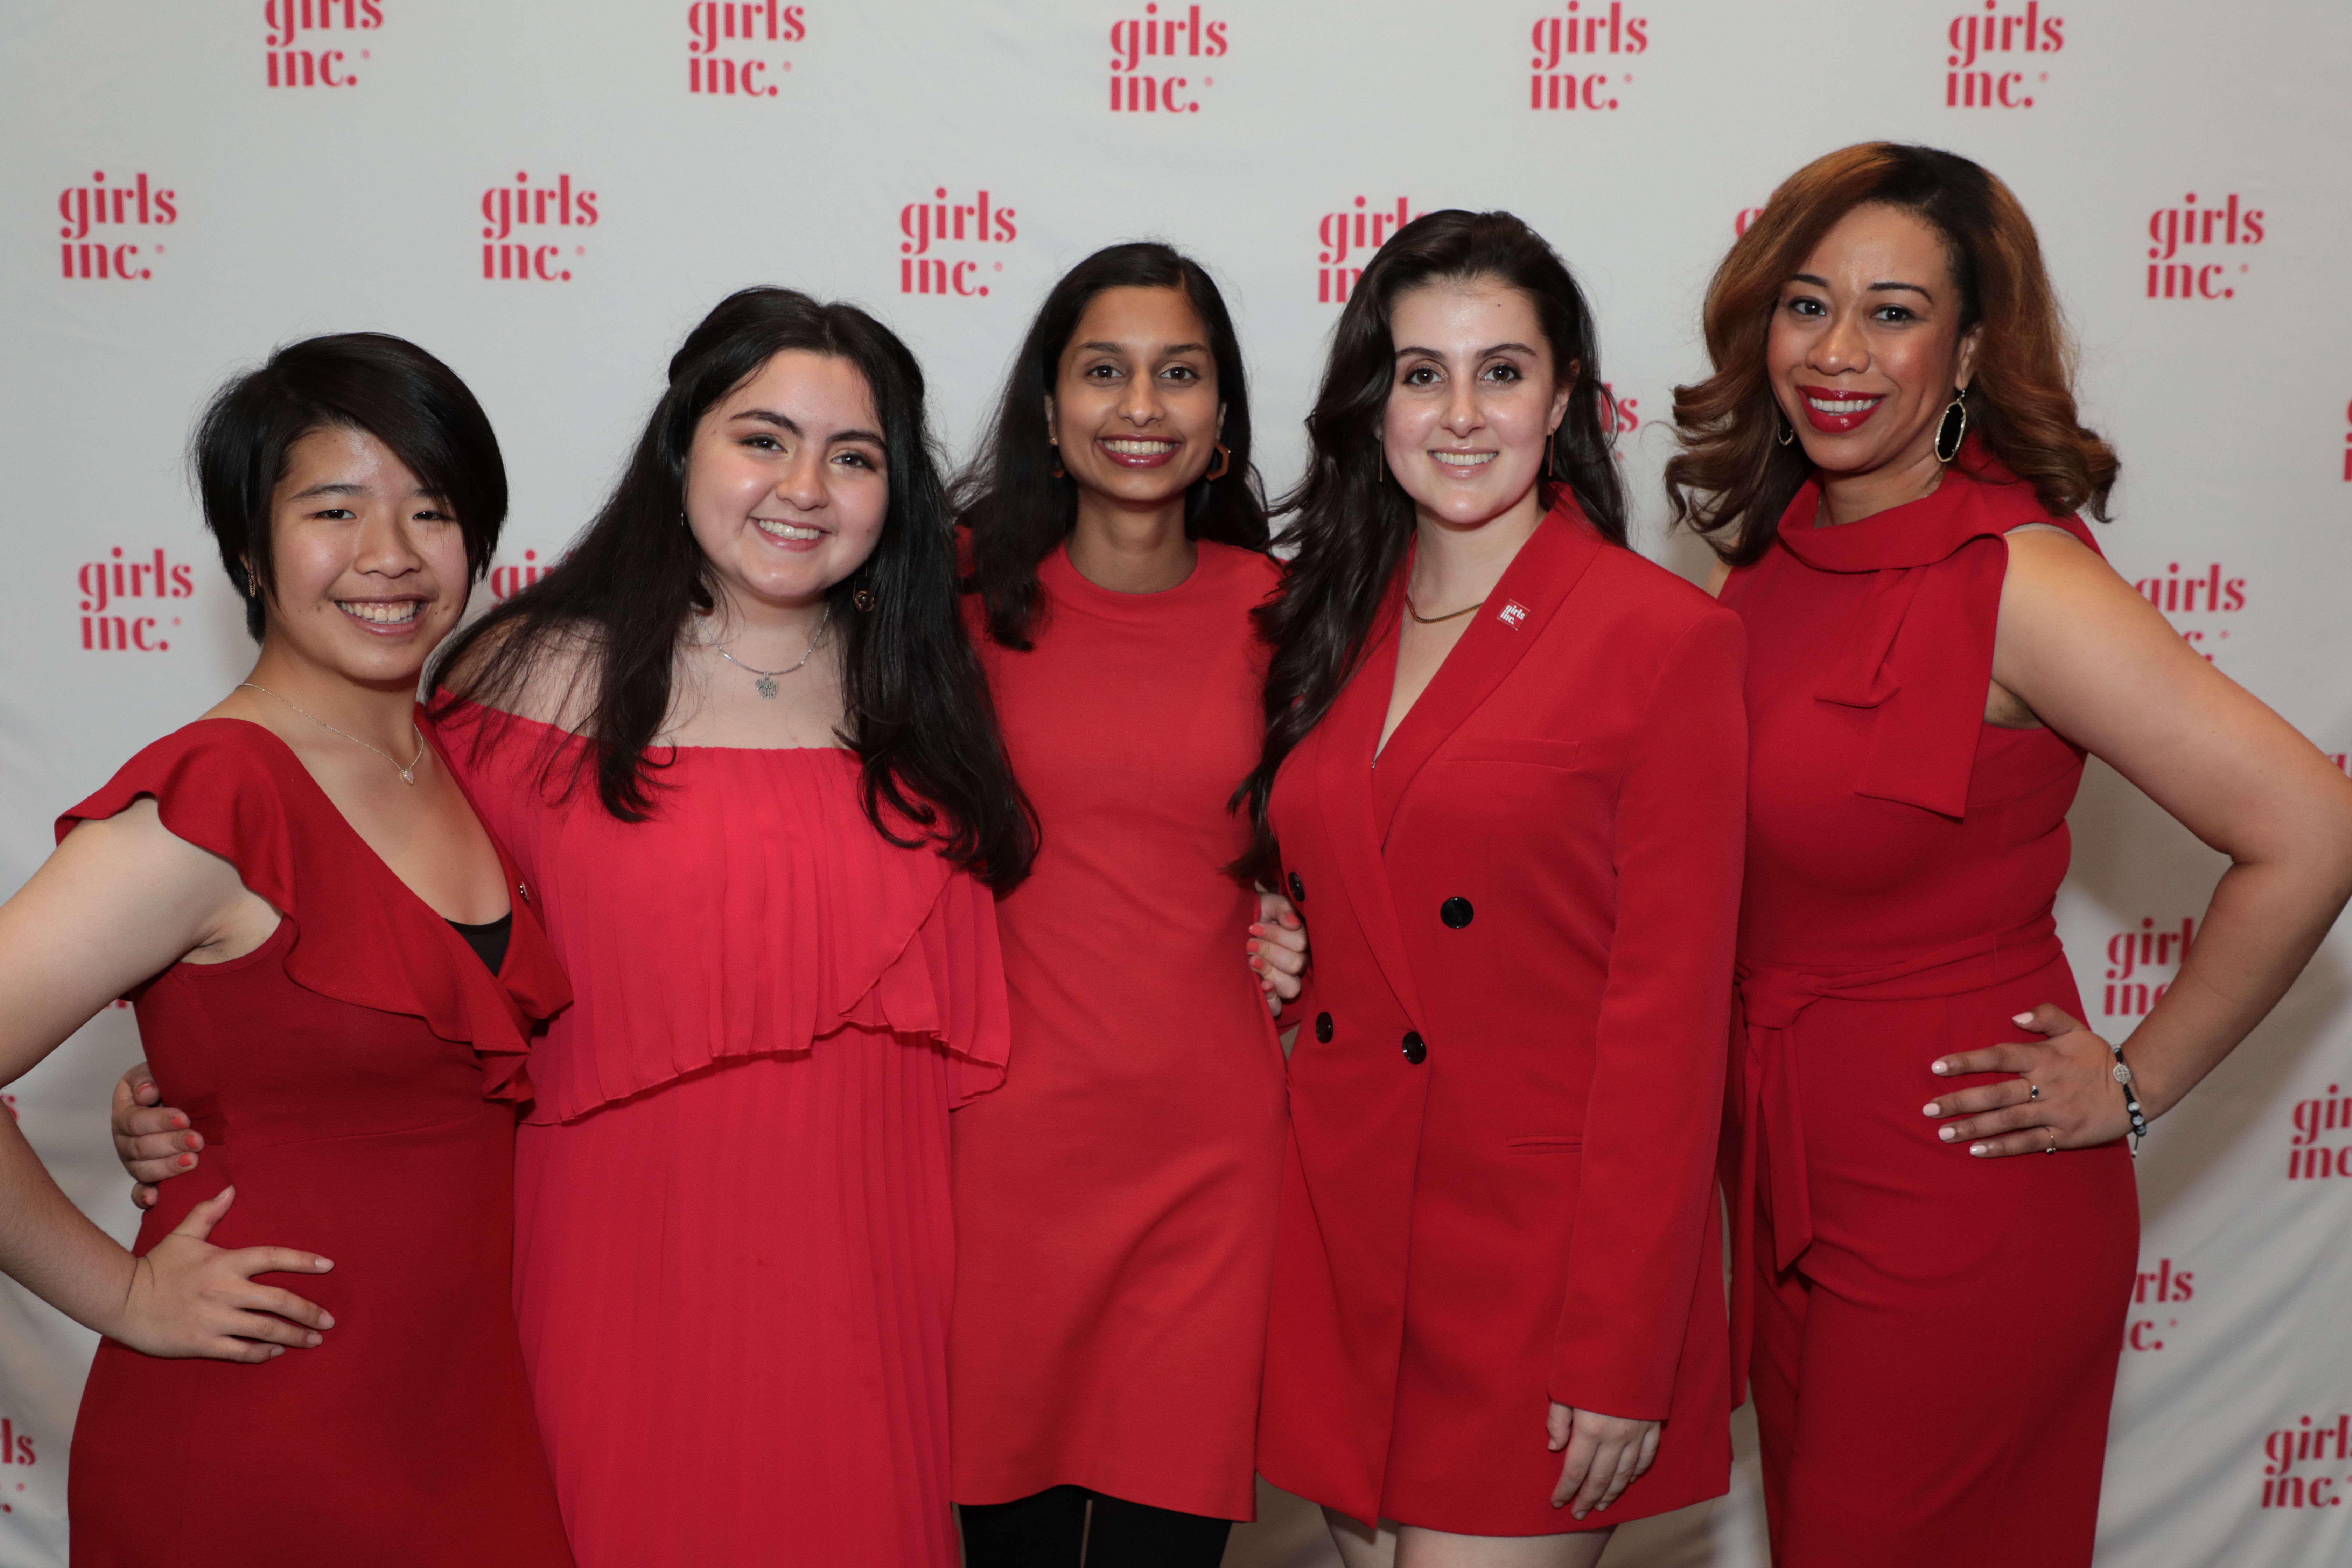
(359, 934)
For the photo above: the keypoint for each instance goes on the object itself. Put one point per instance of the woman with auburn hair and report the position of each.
(1502, 781)
(1889, 460)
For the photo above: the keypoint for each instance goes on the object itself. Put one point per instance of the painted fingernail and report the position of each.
(1979, 1148)
(1941, 1068)
(186, 1161)
(1928, 1109)
(2022, 1018)
(322, 1262)
(1948, 1134)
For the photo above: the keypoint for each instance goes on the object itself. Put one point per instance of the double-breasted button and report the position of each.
(1456, 911)
(1298, 889)
(1323, 1028)
(1415, 1052)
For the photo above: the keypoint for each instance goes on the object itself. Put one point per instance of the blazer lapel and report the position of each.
(1344, 743)
(1539, 577)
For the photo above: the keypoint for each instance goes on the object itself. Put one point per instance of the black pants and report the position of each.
(1051, 1529)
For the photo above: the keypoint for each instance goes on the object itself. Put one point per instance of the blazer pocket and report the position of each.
(1546, 1146)
(1514, 748)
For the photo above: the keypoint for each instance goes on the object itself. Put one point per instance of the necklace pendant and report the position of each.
(767, 685)
(408, 775)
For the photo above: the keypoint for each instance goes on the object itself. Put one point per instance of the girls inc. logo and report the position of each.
(16, 1447)
(1569, 41)
(2190, 226)
(291, 21)
(2308, 1159)
(507, 580)
(1354, 233)
(2139, 954)
(508, 210)
(2348, 444)
(1976, 40)
(942, 223)
(2177, 596)
(2162, 1285)
(108, 626)
(1143, 47)
(135, 203)
(2291, 1453)
(723, 46)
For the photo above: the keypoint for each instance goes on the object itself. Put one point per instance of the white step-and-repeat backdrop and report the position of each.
(548, 196)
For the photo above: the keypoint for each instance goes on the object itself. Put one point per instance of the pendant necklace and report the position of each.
(408, 774)
(766, 682)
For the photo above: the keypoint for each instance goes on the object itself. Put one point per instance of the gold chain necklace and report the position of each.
(408, 774)
(1433, 620)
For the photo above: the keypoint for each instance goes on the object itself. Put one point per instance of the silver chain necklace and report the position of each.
(408, 774)
(766, 682)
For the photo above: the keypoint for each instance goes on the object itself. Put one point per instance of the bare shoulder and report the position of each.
(133, 847)
(546, 673)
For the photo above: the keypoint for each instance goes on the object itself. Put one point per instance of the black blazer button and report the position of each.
(1323, 1028)
(1298, 889)
(1455, 911)
(1415, 1052)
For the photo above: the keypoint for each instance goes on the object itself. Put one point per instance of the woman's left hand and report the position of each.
(2080, 1105)
(1606, 1454)
(1277, 949)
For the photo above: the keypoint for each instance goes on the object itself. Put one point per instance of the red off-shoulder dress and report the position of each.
(734, 1248)
(354, 1077)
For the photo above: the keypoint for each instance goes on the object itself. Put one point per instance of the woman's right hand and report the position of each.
(153, 1140)
(189, 1297)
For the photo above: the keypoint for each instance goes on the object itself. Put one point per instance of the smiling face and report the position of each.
(786, 488)
(1472, 400)
(1135, 411)
(1865, 346)
(370, 566)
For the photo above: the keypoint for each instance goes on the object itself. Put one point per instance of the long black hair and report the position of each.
(1354, 520)
(1018, 511)
(370, 382)
(916, 707)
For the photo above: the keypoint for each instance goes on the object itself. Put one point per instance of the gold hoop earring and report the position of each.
(252, 587)
(1959, 404)
(1224, 462)
(864, 599)
(1788, 431)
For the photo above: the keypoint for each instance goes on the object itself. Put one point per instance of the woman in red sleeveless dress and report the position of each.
(1931, 1306)
(315, 930)
(1115, 1200)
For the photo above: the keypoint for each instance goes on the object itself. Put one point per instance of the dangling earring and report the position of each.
(863, 598)
(1224, 461)
(1058, 474)
(682, 521)
(1788, 431)
(1379, 464)
(252, 587)
(1548, 437)
(1947, 450)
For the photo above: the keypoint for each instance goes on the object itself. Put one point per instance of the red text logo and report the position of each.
(2348, 444)
(1974, 39)
(1747, 215)
(2176, 594)
(944, 223)
(2308, 1159)
(1575, 38)
(290, 20)
(2133, 957)
(723, 49)
(2304, 1443)
(135, 203)
(15, 1443)
(2192, 227)
(1357, 231)
(508, 210)
(1143, 47)
(105, 584)
(508, 580)
(2162, 1285)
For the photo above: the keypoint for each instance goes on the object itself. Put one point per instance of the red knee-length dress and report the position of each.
(1115, 1201)
(1499, 1190)
(355, 1077)
(1934, 1336)
(734, 1252)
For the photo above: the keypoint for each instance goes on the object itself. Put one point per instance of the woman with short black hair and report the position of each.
(296, 894)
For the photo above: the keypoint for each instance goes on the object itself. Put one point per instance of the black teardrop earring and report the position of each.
(1946, 449)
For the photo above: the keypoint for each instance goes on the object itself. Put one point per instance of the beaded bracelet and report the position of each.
(2122, 1076)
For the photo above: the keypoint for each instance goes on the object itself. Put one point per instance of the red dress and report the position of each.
(1934, 1336)
(1115, 1200)
(1505, 1115)
(407, 1437)
(733, 1246)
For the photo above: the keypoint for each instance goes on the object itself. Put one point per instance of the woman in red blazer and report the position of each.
(1503, 783)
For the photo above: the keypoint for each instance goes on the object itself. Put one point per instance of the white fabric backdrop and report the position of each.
(548, 196)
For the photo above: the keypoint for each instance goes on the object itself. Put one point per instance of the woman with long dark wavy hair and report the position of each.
(1889, 460)
(1502, 779)
(743, 753)
(1115, 1200)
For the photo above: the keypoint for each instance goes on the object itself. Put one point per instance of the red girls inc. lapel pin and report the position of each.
(1512, 614)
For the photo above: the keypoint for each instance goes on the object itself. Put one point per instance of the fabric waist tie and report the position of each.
(1764, 1126)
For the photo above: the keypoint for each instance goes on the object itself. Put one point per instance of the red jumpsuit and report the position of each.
(1934, 1336)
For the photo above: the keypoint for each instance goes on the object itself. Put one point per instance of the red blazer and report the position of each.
(1506, 1103)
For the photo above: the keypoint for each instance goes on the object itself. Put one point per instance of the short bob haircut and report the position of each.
(370, 382)
(1733, 480)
